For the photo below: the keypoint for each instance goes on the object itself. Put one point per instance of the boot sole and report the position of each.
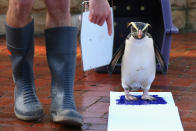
(29, 118)
(69, 122)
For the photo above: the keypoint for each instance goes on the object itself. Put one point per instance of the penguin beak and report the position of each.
(139, 34)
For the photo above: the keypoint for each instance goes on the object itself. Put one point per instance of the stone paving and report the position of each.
(92, 89)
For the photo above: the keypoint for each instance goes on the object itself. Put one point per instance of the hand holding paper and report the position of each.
(96, 44)
(100, 12)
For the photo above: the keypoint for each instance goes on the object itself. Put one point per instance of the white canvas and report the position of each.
(147, 118)
(96, 44)
(144, 117)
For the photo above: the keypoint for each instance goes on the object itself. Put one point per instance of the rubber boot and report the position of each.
(20, 46)
(61, 45)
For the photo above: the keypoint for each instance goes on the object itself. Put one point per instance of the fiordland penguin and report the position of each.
(138, 62)
(138, 67)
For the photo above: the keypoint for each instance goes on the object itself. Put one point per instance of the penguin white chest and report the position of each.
(138, 63)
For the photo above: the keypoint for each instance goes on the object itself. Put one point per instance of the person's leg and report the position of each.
(19, 13)
(58, 13)
(19, 36)
(61, 41)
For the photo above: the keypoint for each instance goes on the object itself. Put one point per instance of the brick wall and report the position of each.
(184, 14)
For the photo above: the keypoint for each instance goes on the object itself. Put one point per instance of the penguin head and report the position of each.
(138, 29)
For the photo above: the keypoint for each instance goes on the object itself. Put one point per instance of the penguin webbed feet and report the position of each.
(128, 96)
(148, 97)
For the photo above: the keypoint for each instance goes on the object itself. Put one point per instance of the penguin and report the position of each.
(138, 66)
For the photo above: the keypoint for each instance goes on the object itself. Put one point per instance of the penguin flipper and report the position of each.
(117, 55)
(160, 59)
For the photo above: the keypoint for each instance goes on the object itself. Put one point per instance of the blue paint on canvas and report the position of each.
(139, 101)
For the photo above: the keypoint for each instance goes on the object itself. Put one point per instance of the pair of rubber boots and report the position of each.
(61, 43)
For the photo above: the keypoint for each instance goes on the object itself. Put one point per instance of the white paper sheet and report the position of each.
(96, 44)
(144, 117)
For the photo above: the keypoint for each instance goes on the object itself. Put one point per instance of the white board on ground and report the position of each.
(161, 117)
(96, 44)
(146, 118)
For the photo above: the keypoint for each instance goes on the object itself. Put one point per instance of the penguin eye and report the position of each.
(133, 29)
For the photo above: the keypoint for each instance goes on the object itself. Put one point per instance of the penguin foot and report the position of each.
(148, 97)
(129, 97)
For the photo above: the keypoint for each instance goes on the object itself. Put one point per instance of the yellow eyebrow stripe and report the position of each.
(146, 27)
(133, 24)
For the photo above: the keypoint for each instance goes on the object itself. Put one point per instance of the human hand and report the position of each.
(100, 12)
